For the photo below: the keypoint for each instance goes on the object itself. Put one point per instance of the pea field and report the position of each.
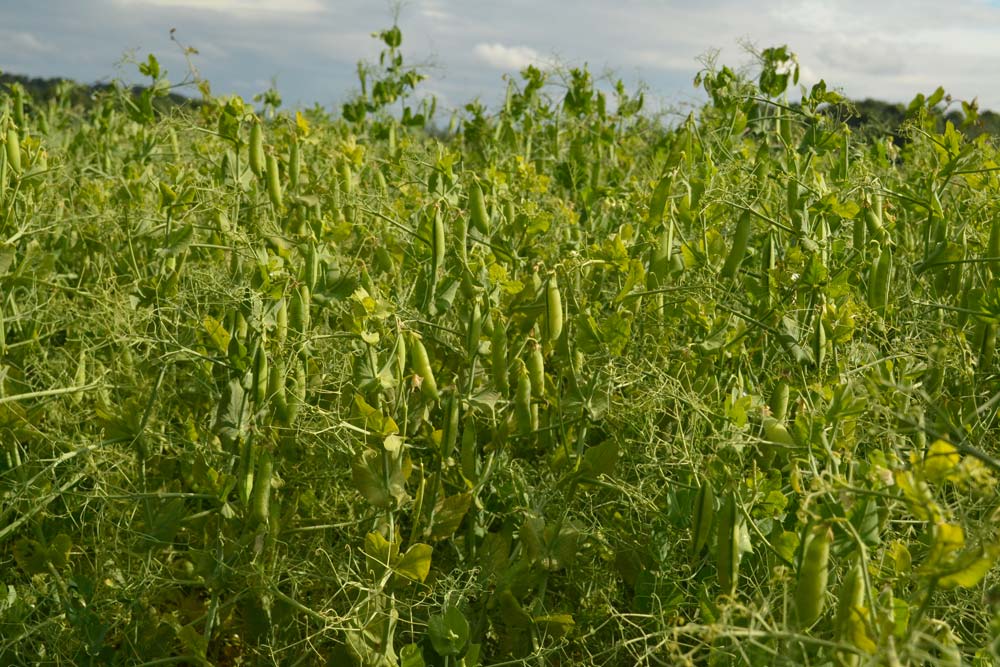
(561, 382)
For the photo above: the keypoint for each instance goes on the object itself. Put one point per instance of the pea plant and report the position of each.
(571, 383)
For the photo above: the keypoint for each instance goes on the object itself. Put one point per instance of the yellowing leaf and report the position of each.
(969, 569)
(416, 562)
(217, 332)
(379, 552)
(555, 625)
(941, 459)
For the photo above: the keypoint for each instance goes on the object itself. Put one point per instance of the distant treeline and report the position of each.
(41, 90)
(877, 118)
(868, 118)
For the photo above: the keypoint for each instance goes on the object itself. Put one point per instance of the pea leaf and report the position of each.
(448, 632)
(415, 564)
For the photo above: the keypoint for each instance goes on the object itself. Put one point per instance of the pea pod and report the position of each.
(13, 151)
(260, 376)
(727, 545)
(658, 202)
(272, 181)
(522, 399)
(276, 389)
(778, 403)
(280, 321)
(449, 434)
(478, 216)
(298, 311)
(741, 239)
(987, 351)
(498, 343)
(860, 235)
(878, 285)
(245, 473)
(422, 367)
(849, 622)
(553, 310)
(704, 516)
(659, 258)
(470, 455)
(810, 593)
(819, 338)
(993, 247)
(473, 330)
(785, 128)
(256, 148)
(293, 164)
(462, 239)
(296, 394)
(437, 243)
(260, 503)
(310, 272)
(536, 369)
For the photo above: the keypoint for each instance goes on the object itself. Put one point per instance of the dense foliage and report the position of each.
(562, 387)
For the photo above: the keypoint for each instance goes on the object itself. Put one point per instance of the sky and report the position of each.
(887, 49)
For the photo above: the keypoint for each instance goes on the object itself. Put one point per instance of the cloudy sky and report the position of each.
(889, 49)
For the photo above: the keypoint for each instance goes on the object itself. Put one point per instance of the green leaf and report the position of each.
(30, 556)
(448, 632)
(448, 515)
(600, 459)
(59, 549)
(411, 655)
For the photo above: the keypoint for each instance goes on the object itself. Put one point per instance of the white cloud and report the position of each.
(506, 57)
(247, 8)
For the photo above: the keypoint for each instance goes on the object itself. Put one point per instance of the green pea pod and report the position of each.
(498, 343)
(422, 367)
(245, 473)
(437, 243)
(810, 593)
(741, 240)
(310, 273)
(522, 399)
(276, 390)
(260, 376)
(704, 516)
(280, 321)
(860, 234)
(989, 347)
(470, 454)
(260, 504)
(878, 286)
(298, 311)
(819, 339)
(449, 434)
(993, 247)
(727, 545)
(553, 310)
(293, 164)
(256, 148)
(778, 403)
(296, 394)
(473, 330)
(273, 183)
(13, 151)
(785, 128)
(536, 369)
(658, 202)
(477, 210)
